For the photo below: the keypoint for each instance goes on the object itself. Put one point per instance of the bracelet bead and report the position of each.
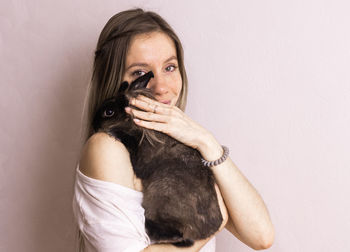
(218, 161)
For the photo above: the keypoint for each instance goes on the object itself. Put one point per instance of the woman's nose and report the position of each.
(158, 85)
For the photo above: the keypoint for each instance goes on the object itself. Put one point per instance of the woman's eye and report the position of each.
(138, 73)
(170, 68)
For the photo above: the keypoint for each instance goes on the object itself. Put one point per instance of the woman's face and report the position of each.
(155, 52)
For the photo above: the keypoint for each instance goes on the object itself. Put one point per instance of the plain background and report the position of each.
(270, 79)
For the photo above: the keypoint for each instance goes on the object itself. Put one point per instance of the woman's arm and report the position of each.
(249, 219)
(105, 158)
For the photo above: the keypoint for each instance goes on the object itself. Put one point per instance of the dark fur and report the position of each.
(179, 196)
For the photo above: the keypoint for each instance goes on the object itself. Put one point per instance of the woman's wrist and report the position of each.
(209, 148)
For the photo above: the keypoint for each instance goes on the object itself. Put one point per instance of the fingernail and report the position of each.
(127, 109)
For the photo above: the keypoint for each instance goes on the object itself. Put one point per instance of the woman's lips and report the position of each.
(165, 102)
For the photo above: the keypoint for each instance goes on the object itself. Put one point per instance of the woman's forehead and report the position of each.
(155, 46)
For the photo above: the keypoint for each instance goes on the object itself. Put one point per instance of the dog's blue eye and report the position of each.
(108, 113)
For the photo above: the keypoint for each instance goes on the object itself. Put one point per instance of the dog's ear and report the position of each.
(123, 86)
(142, 81)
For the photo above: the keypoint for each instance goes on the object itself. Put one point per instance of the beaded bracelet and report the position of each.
(218, 161)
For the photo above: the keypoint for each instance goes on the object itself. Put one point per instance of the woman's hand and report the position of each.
(168, 119)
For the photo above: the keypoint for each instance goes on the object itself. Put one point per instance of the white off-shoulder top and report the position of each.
(110, 216)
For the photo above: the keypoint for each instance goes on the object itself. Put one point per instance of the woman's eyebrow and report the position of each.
(140, 64)
(136, 64)
(171, 58)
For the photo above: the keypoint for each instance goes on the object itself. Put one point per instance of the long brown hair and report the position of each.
(110, 57)
(109, 64)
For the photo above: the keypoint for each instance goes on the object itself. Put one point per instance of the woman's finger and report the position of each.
(148, 116)
(164, 108)
(162, 127)
(150, 105)
(149, 100)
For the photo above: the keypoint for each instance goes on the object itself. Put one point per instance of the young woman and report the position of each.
(107, 197)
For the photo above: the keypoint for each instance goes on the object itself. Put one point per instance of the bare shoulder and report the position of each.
(106, 158)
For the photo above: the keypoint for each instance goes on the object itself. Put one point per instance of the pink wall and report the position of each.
(269, 79)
